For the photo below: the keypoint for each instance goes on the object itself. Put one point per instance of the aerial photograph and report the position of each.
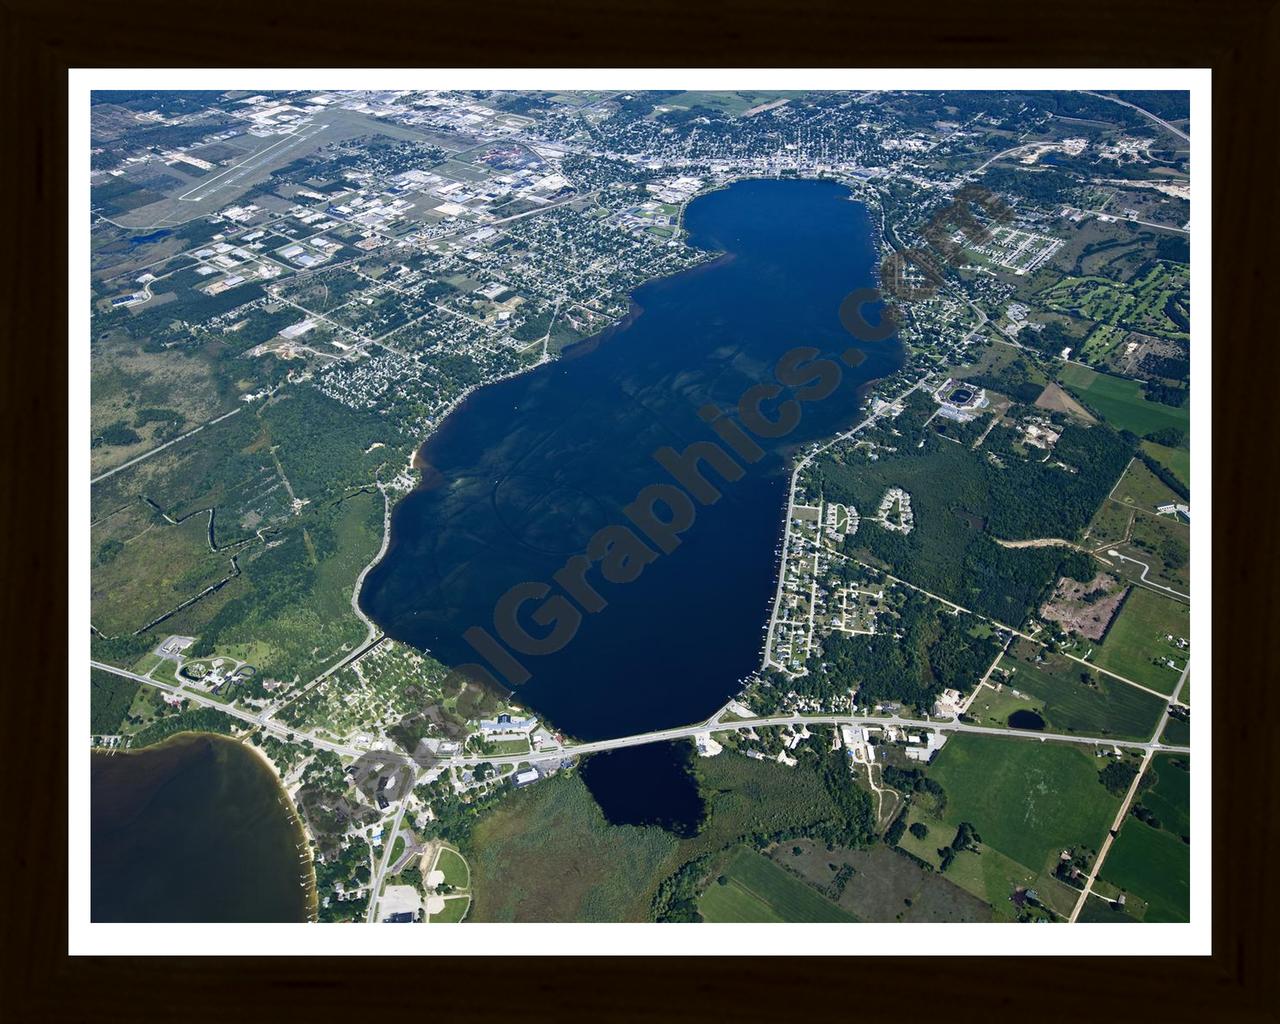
(637, 506)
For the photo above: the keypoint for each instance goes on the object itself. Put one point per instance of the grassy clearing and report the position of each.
(1176, 460)
(1136, 644)
(991, 876)
(454, 911)
(454, 867)
(757, 890)
(927, 848)
(145, 566)
(546, 853)
(993, 707)
(1140, 488)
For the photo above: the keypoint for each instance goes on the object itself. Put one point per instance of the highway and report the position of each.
(262, 718)
(1145, 113)
(714, 724)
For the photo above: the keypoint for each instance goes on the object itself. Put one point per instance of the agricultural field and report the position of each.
(1137, 645)
(1152, 860)
(1120, 401)
(1028, 802)
(751, 888)
(875, 883)
(1075, 699)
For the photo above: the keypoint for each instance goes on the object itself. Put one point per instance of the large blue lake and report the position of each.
(522, 475)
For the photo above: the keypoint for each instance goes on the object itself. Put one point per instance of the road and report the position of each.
(791, 505)
(160, 448)
(388, 841)
(1112, 553)
(1128, 801)
(1007, 628)
(1145, 113)
(261, 719)
(713, 724)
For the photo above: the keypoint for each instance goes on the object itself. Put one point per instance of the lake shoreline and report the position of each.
(249, 834)
(834, 252)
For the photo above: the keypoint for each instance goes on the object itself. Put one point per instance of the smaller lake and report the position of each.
(194, 830)
(155, 236)
(647, 785)
(1024, 719)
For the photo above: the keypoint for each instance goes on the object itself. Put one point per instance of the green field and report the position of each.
(454, 867)
(1096, 911)
(732, 103)
(1103, 707)
(1154, 864)
(993, 707)
(546, 852)
(992, 877)
(1137, 638)
(1120, 401)
(757, 890)
(1140, 488)
(1176, 731)
(1027, 800)
(1164, 544)
(927, 848)
(1170, 797)
(454, 911)
(1176, 460)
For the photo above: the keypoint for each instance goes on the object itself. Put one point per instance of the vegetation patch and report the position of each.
(751, 888)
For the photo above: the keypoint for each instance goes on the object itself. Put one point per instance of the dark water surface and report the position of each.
(647, 785)
(1024, 719)
(193, 830)
(521, 476)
